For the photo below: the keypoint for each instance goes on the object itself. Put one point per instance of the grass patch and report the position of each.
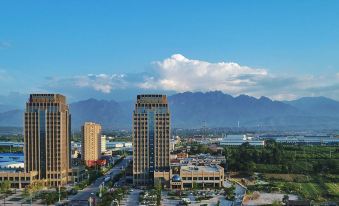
(333, 189)
(287, 177)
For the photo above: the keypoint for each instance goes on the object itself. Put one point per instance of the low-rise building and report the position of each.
(199, 160)
(18, 179)
(182, 155)
(237, 140)
(12, 160)
(77, 174)
(198, 176)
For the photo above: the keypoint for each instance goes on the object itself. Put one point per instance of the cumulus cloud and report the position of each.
(179, 73)
(100, 82)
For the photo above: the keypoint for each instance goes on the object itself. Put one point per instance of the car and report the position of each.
(131, 190)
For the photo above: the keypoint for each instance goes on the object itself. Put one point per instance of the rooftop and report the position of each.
(208, 168)
(8, 154)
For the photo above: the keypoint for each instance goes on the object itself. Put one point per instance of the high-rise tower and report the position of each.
(151, 139)
(47, 138)
(91, 143)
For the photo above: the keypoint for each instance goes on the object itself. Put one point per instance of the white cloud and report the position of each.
(180, 74)
(100, 82)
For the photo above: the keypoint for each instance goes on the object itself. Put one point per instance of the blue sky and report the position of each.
(113, 50)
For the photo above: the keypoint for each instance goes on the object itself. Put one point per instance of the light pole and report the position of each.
(100, 190)
(59, 194)
(4, 199)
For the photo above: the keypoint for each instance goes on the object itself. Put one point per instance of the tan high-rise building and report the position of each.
(151, 139)
(91, 143)
(47, 138)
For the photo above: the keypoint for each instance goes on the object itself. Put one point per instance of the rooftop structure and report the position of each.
(11, 160)
(12, 144)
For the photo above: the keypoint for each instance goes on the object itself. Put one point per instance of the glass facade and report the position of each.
(47, 137)
(151, 134)
(42, 144)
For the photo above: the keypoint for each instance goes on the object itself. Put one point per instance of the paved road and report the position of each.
(166, 201)
(132, 199)
(83, 195)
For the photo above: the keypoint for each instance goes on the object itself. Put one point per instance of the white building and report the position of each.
(236, 140)
(113, 145)
(103, 143)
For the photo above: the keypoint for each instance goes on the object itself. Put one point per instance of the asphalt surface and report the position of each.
(82, 196)
(132, 199)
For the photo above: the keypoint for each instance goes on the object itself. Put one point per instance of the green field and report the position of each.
(308, 171)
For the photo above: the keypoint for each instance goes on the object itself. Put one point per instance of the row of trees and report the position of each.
(275, 158)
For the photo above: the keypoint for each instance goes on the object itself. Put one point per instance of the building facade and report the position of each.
(18, 179)
(47, 138)
(91, 143)
(210, 176)
(151, 139)
(103, 143)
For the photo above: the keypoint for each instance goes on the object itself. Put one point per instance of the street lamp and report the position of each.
(59, 194)
(100, 190)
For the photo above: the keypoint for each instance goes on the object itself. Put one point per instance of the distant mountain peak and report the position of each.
(217, 109)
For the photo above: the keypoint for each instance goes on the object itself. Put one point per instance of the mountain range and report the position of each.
(213, 109)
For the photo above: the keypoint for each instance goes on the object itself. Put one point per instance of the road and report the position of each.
(132, 199)
(82, 196)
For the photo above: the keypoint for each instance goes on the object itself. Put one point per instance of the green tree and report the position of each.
(202, 148)
(158, 188)
(5, 186)
(32, 189)
(194, 186)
